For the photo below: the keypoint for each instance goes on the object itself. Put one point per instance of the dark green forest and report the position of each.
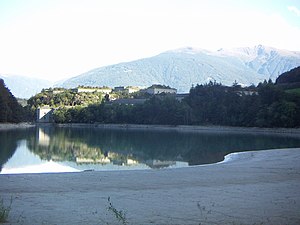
(266, 105)
(10, 110)
(290, 77)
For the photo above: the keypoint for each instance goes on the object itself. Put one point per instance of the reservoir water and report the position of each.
(52, 149)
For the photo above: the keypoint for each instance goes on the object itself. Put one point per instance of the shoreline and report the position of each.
(12, 126)
(177, 128)
(186, 128)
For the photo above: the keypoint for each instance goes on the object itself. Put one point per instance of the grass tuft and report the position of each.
(119, 214)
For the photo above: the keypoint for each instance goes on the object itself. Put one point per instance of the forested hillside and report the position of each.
(266, 105)
(63, 97)
(10, 110)
(292, 76)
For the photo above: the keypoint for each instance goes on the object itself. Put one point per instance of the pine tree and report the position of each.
(10, 109)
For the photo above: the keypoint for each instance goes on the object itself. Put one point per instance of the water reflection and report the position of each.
(84, 148)
(9, 142)
(73, 146)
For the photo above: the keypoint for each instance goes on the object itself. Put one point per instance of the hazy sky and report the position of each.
(55, 39)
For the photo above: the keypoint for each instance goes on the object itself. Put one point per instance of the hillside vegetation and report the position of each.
(266, 105)
(211, 104)
(10, 110)
(290, 77)
(64, 97)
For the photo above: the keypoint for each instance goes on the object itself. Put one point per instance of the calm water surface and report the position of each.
(50, 149)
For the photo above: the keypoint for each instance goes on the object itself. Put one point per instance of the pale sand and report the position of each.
(252, 188)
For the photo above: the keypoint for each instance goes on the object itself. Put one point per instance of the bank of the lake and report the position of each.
(11, 126)
(179, 128)
(187, 128)
(259, 187)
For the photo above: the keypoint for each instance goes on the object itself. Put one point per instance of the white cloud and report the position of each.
(294, 10)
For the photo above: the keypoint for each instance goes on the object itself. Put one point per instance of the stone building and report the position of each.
(44, 114)
(159, 89)
(104, 90)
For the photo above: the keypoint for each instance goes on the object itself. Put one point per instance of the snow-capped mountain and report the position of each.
(182, 68)
(265, 60)
(24, 87)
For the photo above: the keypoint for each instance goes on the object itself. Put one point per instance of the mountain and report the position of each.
(24, 87)
(182, 68)
(266, 60)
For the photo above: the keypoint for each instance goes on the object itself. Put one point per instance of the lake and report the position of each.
(53, 149)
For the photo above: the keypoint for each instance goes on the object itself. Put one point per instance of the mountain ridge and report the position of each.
(183, 67)
(179, 68)
(23, 86)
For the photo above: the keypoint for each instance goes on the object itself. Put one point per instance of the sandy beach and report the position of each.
(250, 188)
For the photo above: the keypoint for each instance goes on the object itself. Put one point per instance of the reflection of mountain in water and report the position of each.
(153, 148)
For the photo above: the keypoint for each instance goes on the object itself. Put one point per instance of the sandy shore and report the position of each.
(252, 188)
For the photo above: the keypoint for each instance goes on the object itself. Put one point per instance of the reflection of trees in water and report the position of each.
(174, 146)
(120, 145)
(63, 145)
(9, 143)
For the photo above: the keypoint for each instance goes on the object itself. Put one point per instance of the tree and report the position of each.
(10, 109)
(59, 115)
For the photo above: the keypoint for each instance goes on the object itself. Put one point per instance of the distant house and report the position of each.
(129, 89)
(132, 89)
(54, 90)
(57, 91)
(104, 90)
(44, 114)
(159, 89)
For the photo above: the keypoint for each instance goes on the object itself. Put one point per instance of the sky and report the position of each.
(58, 39)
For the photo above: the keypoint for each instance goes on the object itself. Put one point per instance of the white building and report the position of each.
(159, 89)
(44, 114)
(104, 90)
(129, 89)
